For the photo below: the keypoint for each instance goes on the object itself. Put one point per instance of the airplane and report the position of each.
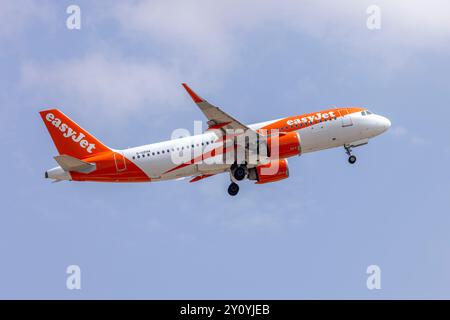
(219, 149)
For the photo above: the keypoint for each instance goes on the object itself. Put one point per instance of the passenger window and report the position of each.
(153, 153)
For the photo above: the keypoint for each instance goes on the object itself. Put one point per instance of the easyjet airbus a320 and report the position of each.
(256, 152)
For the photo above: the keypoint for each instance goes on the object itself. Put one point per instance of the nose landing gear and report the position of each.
(351, 158)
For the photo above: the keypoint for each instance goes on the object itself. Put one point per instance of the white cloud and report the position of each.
(108, 85)
(18, 15)
(207, 33)
(419, 141)
(398, 131)
(214, 29)
(402, 132)
(252, 212)
(419, 23)
(416, 23)
(203, 40)
(267, 217)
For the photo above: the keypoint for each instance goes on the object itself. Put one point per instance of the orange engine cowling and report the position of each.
(275, 170)
(288, 145)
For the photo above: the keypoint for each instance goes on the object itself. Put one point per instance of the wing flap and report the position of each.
(200, 177)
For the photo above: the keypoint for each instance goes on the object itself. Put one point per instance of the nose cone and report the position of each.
(385, 123)
(377, 124)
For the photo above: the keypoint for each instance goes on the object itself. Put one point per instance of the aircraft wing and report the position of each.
(217, 119)
(220, 120)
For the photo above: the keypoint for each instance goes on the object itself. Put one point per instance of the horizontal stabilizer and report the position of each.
(69, 163)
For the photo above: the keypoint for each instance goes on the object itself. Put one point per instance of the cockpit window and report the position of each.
(368, 112)
(363, 113)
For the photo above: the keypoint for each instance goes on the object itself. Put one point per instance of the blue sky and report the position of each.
(310, 236)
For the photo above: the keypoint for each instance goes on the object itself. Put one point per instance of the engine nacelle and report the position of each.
(288, 145)
(274, 170)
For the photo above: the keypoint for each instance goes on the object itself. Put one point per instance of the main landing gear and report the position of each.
(238, 173)
(351, 158)
(233, 189)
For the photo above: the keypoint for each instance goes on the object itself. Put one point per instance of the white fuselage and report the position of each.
(156, 159)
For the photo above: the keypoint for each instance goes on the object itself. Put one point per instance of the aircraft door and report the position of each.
(120, 162)
(347, 121)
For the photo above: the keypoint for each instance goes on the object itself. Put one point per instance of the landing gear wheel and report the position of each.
(239, 173)
(351, 158)
(233, 189)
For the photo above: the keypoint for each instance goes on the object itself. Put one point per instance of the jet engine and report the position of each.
(274, 170)
(288, 145)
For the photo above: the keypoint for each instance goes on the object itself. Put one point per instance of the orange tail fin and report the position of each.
(68, 137)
